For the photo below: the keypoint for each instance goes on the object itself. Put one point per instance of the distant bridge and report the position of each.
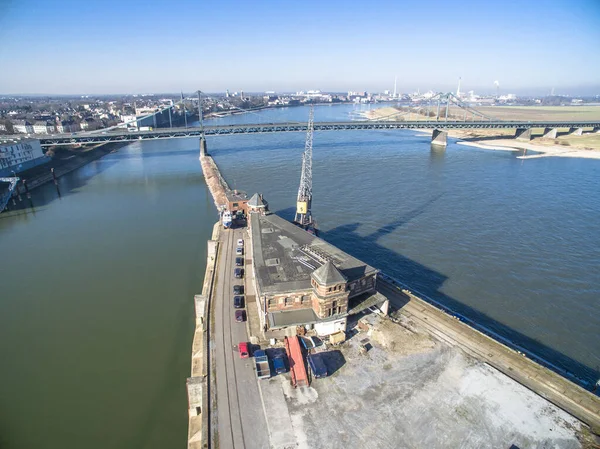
(122, 135)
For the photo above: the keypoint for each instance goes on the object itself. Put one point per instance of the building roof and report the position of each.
(256, 201)
(364, 301)
(328, 274)
(285, 256)
(292, 317)
(236, 196)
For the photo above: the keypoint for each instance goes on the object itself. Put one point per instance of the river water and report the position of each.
(96, 315)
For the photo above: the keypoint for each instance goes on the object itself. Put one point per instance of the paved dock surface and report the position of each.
(580, 403)
(241, 419)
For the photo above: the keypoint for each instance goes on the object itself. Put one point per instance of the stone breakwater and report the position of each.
(216, 184)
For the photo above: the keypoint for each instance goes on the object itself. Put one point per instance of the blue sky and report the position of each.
(116, 46)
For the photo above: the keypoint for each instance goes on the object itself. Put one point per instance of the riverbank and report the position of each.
(65, 161)
(586, 145)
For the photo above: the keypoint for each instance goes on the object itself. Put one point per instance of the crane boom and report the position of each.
(303, 203)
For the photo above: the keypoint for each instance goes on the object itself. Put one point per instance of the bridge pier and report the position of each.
(523, 134)
(203, 146)
(550, 133)
(576, 131)
(439, 138)
(596, 129)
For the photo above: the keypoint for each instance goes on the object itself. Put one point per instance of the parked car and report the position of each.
(240, 242)
(261, 359)
(239, 251)
(279, 364)
(238, 302)
(240, 316)
(244, 350)
(238, 289)
(239, 261)
(238, 273)
(310, 342)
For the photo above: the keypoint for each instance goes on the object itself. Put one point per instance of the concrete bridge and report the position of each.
(439, 128)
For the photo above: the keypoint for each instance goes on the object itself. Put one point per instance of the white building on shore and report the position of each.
(17, 155)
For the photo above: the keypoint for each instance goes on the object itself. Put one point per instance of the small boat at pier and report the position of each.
(226, 219)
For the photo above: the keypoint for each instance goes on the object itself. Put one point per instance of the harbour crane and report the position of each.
(303, 203)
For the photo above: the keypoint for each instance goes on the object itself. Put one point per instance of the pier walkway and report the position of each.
(241, 420)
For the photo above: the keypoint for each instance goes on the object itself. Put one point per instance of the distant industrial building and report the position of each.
(302, 280)
(17, 155)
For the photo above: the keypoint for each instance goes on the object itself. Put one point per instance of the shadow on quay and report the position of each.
(428, 282)
(333, 360)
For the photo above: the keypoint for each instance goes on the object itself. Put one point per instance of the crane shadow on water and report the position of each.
(429, 282)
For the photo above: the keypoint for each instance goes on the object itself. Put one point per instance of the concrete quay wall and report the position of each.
(201, 385)
(41, 174)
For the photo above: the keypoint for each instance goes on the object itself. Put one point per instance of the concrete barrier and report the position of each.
(201, 385)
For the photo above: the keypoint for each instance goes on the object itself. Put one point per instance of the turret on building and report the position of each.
(301, 280)
(330, 292)
(258, 204)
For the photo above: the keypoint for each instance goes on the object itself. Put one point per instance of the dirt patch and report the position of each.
(409, 391)
(400, 336)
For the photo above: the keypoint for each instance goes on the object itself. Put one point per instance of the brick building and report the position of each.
(237, 201)
(301, 280)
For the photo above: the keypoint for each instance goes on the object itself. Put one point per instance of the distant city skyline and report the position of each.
(73, 48)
